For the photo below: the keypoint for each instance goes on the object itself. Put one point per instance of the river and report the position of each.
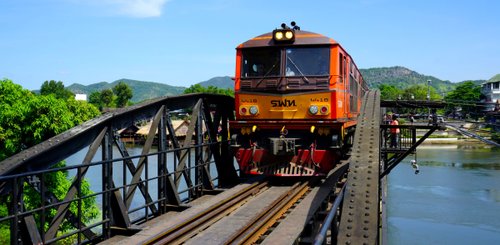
(455, 199)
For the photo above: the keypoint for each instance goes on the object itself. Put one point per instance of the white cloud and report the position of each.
(133, 8)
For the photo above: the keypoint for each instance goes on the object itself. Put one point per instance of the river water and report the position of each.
(455, 199)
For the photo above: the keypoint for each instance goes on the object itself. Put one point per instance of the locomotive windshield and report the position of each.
(261, 63)
(300, 61)
(307, 61)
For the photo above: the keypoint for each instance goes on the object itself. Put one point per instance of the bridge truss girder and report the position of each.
(211, 111)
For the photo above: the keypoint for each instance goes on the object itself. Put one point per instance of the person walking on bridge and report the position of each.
(394, 131)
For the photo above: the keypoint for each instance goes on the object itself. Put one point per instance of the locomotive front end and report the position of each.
(291, 104)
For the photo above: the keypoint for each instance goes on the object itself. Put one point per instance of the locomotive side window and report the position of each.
(261, 62)
(307, 61)
(341, 67)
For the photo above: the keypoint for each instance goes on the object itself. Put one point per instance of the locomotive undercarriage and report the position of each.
(287, 149)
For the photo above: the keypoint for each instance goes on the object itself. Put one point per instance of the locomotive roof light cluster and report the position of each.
(285, 34)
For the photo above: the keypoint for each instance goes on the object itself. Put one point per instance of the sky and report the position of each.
(183, 42)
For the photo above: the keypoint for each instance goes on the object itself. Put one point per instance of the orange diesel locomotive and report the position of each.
(298, 95)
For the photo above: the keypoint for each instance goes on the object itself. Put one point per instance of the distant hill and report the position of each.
(397, 76)
(220, 82)
(477, 82)
(402, 77)
(141, 90)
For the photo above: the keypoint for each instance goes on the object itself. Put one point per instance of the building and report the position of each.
(491, 90)
(81, 97)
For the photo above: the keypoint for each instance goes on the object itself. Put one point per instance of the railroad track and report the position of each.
(259, 225)
(251, 232)
(190, 227)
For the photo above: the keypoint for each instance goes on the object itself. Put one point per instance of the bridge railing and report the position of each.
(402, 140)
(153, 201)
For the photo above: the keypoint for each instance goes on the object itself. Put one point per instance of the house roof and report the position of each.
(176, 124)
(495, 78)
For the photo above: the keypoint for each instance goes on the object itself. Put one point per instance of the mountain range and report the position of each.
(397, 76)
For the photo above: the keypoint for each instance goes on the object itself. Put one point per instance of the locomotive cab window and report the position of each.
(261, 63)
(307, 61)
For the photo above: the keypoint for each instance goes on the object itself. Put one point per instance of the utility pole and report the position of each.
(429, 94)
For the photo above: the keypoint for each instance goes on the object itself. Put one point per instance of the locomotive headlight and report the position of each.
(313, 109)
(284, 35)
(254, 110)
(278, 35)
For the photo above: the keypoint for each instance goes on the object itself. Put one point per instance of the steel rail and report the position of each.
(185, 230)
(268, 217)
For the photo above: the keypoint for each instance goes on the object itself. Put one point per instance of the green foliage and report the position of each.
(26, 120)
(123, 94)
(465, 95)
(13, 111)
(59, 184)
(389, 92)
(467, 91)
(415, 92)
(4, 226)
(107, 97)
(57, 89)
(197, 88)
(95, 99)
(419, 92)
(118, 96)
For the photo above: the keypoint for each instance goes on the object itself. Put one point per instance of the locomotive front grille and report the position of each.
(246, 84)
(322, 83)
(285, 169)
(271, 83)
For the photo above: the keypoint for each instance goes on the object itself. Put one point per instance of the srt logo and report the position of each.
(283, 103)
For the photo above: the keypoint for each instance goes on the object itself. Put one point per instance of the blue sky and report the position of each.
(182, 42)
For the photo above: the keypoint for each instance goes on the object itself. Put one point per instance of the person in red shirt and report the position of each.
(394, 131)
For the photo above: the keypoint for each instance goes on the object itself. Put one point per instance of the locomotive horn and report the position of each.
(295, 26)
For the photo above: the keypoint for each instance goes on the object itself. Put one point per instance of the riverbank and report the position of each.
(452, 140)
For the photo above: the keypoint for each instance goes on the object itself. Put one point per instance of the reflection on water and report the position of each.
(454, 200)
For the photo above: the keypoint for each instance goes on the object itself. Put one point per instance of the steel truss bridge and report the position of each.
(171, 175)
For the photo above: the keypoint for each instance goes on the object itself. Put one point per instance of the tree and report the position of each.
(57, 89)
(389, 92)
(197, 88)
(26, 120)
(419, 92)
(465, 95)
(123, 94)
(95, 99)
(107, 97)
